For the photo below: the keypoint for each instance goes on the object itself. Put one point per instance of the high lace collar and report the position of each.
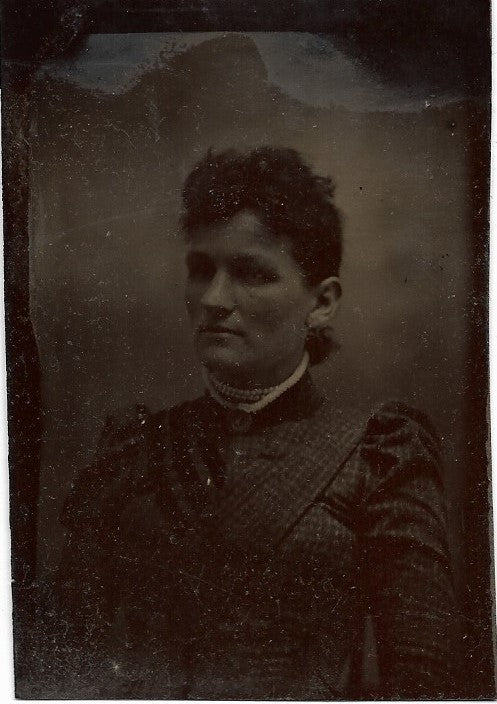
(252, 400)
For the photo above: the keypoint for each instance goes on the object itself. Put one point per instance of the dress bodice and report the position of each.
(231, 556)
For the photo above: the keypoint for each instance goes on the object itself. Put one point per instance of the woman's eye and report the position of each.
(200, 268)
(255, 275)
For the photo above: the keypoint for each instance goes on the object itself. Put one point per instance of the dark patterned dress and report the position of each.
(296, 553)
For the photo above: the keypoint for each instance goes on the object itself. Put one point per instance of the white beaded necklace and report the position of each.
(251, 400)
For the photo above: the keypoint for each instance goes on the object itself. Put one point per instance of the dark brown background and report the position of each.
(114, 128)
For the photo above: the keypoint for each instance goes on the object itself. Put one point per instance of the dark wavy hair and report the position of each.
(290, 200)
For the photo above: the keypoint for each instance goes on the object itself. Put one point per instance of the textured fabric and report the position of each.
(213, 554)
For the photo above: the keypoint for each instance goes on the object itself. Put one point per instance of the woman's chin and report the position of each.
(222, 364)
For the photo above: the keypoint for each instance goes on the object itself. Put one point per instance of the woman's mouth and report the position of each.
(218, 330)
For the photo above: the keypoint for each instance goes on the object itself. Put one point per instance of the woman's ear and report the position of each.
(328, 294)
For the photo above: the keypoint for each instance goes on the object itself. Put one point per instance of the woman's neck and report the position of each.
(254, 399)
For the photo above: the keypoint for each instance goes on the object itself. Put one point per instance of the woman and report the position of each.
(236, 546)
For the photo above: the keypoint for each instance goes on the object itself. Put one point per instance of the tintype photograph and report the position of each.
(246, 281)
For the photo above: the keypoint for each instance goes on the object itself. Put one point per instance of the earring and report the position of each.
(320, 343)
(315, 334)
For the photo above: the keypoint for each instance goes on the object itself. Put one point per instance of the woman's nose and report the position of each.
(219, 293)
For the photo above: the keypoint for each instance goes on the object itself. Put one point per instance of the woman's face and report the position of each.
(247, 301)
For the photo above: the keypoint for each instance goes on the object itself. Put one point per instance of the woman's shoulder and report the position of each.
(394, 425)
(391, 415)
(400, 446)
(380, 423)
(122, 465)
(128, 426)
(387, 439)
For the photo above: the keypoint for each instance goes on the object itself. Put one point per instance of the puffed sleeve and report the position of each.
(103, 484)
(406, 573)
(93, 506)
(78, 621)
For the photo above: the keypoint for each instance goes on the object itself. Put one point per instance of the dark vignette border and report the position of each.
(439, 44)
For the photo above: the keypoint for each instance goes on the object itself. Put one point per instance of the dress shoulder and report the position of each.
(119, 467)
(400, 440)
(133, 442)
(390, 415)
(123, 429)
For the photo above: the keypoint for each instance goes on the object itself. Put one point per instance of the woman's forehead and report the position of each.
(243, 232)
